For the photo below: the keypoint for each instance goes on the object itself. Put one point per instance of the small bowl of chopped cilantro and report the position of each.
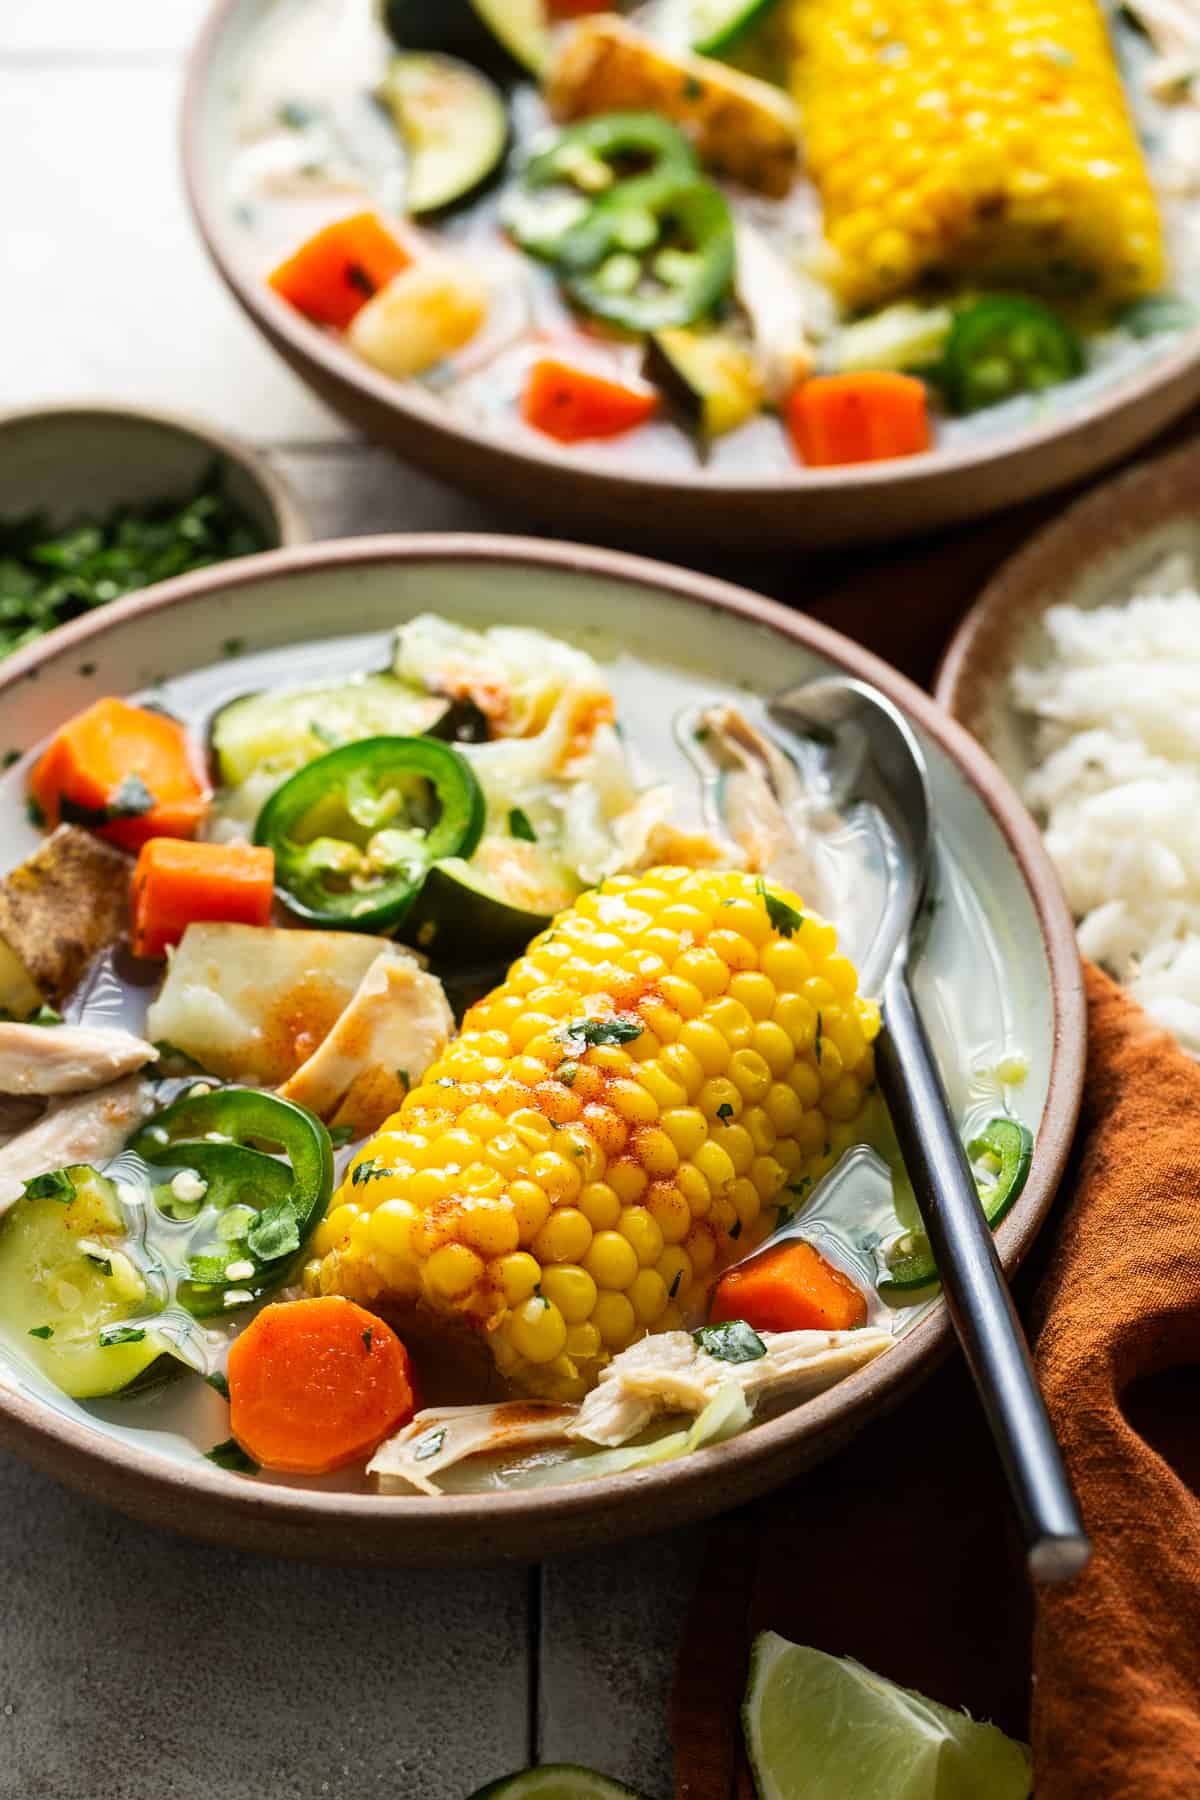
(101, 501)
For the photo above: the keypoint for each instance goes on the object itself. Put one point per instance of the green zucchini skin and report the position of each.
(292, 726)
(456, 920)
(717, 25)
(446, 170)
(67, 1282)
(505, 37)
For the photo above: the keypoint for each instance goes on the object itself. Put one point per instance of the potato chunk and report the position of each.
(59, 909)
(252, 1003)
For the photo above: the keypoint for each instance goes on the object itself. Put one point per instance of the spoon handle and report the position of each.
(977, 1295)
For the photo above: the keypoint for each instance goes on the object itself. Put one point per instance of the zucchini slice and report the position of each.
(294, 726)
(503, 35)
(712, 380)
(486, 911)
(454, 124)
(716, 25)
(70, 1294)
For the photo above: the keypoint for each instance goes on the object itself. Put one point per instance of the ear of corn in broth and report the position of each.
(985, 140)
(611, 1126)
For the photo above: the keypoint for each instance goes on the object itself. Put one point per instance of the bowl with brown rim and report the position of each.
(1051, 446)
(659, 632)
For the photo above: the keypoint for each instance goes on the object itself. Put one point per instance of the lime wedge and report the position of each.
(824, 1728)
(555, 1781)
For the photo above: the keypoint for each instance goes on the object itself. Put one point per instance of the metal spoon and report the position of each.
(876, 758)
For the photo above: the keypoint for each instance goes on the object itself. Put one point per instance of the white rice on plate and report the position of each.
(1115, 780)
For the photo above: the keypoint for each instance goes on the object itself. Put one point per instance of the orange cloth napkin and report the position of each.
(901, 1552)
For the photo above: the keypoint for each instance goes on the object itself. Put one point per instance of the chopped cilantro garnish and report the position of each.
(783, 917)
(520, 827)
(735, 1230)
(367, 1340)
(131, 799)
(818, 1046)
(674, 1287)
(120, 1334)
(367, 1171)
(33, 811)
(103, 1263)
(57, 1185)
(429, 1444)
(275, 1232)
(231, 1456)
(41, 1331)
(566, 1072)
(601, 1031)
(52, 575)
(45, 1015)
(733, 1342)
(724, 1112)
(219, 1383)
(339, 1135)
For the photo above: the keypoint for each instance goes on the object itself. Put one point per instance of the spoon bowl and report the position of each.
(876, 762)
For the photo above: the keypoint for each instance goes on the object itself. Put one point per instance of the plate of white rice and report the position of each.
(1079, 669)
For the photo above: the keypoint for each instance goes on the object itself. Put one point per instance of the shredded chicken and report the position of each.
(441, 1436)
(67, 1059)
(394, 1027)
(668, 1373)
(1173, 27)
(84, 1128)
(767, 805)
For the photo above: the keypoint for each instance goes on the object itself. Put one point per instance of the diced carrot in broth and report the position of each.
(571, 404)
(315, 1385)
(177, 884)
(791, 1288)
(869, 417)
(127, 773)
(333, 275)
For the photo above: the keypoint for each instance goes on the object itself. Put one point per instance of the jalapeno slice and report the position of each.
(560, 184)
(655, 253)
(355, 832)
(261, 1173)
(1001, 1156)
(1003, 346)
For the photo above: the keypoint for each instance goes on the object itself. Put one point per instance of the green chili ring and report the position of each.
(217, 1136)
(1002, 346)
(908, 1262)
(340, 878)
(675, 230)
(585, 162)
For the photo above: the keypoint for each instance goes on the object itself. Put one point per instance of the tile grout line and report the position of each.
(536, 1593)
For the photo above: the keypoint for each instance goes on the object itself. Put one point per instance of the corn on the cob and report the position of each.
(611, 1125)
(975, 139)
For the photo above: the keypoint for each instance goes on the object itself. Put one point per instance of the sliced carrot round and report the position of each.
(317, 1384)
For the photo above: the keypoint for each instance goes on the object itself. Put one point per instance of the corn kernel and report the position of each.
(599, 1205)
(564, 1237)
(452, 1271)
(611, 1260)
(615, 1320)
(572, 1290)
(638, 1226)
(647, 1296)
(537, 1329)
(687, 1128)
